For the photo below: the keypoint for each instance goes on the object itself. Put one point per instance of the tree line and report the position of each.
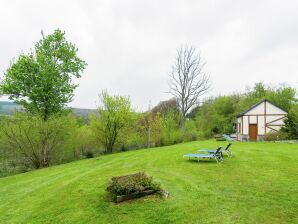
(217, 114)
(47, 133)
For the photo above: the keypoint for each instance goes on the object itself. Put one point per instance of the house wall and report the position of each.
(260, 109)
(274, 122)
(253, 119)
(245, 125)
(261, 125)
(272, 109)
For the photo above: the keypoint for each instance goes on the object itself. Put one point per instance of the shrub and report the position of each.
(189, 131)
(31, 142)
(275, 136)
(138, 182)
(291, 123)
(170, 128)
(86, 142)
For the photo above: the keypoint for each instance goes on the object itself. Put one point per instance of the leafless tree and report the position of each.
(188, 81)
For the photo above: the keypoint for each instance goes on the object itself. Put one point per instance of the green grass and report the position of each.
(258, 185)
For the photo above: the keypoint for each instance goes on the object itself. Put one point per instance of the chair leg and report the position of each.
(216, 159)
(229, 153)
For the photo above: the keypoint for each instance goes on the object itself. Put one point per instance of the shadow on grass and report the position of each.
(206, 161)
(109, 199)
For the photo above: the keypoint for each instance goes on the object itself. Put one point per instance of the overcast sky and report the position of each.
(130, 45)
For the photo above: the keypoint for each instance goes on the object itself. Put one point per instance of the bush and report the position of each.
(86, 142)
(31, 142)
(275, 136)
(138, 182)
(291, 123)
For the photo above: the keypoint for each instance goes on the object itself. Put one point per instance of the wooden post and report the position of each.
(242, 125)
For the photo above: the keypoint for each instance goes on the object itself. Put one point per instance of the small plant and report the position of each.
(134, 185)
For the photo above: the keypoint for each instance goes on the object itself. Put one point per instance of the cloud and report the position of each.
(130, 45)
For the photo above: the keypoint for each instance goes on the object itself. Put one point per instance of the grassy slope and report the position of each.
(258, 185)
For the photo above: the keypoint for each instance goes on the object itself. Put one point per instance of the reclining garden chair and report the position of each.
(216, 155)
(211, 151)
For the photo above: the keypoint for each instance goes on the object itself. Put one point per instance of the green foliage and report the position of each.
(86, 142)
(150, 128)
(129, 136)
(114, 116)
(34, 143)
(276, 136)
(291, 123)
(189, 131)
(216, 115)
(171, 123)
(138, 182)
(283, 96)
(42, 80)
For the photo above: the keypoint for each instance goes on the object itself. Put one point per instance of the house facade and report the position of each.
(258, 120)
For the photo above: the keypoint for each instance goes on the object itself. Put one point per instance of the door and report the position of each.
(253, 132)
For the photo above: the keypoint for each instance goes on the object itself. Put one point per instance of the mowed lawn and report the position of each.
(259, 184)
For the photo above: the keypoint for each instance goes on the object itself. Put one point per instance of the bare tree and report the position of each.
(188, 81)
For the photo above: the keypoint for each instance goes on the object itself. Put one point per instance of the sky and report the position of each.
(130, 45)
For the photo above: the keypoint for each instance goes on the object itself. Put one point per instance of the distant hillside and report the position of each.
(7, 108)
(83, 112)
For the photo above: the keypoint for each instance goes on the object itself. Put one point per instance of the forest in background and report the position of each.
(71, 137)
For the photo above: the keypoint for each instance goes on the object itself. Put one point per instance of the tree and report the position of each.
(150, 126)
(42, 80)
(188, 81)
(282, 96)
(163, 106)
(113, 116)
(291, 123)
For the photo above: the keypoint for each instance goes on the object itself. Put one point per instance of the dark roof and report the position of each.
(257, 104)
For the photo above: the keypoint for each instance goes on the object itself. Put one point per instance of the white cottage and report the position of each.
(261, 118)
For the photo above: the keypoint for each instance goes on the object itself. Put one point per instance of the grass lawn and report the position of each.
(258, 185)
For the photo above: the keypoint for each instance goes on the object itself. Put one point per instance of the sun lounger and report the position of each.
(211, 151)
(228, 137)
(216, 155)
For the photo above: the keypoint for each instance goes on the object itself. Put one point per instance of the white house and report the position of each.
(255, 122)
